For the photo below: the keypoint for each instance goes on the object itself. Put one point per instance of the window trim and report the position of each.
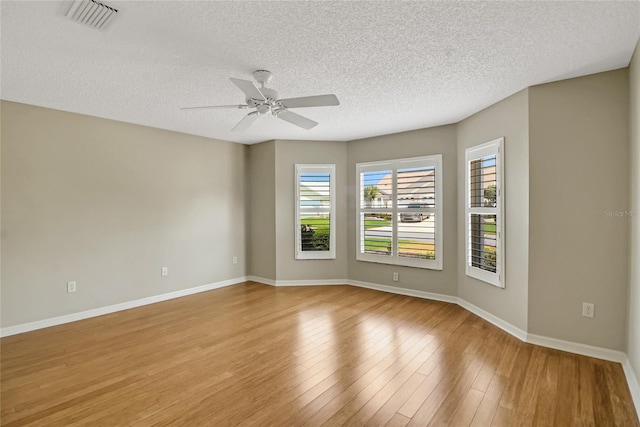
(494, 147)
(393, 165)
(331, 210)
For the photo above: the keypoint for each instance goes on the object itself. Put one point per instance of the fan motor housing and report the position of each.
(263, 109)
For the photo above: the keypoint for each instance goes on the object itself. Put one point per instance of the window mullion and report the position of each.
(394, 212)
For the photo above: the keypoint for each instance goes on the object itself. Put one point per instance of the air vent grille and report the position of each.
(92, 13)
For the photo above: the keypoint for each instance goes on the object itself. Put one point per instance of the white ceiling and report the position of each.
(395, 66)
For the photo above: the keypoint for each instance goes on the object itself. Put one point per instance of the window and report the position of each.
(400, 212)
(484, 212)
(315, 212)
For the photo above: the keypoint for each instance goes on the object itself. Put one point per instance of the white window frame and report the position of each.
(494, 147)
(330, 169)
(393, 166)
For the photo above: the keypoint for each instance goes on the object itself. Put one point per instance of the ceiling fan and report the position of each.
(265, 101)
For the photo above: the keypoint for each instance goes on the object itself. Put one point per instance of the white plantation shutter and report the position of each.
(376, 209)
(483, 212)
(315, 212)
(416, 201)
(399, 207)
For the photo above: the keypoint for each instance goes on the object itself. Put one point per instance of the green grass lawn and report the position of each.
(319, 224)
(382, 245)
(489, 228)
(323, 222)
(377, 244)
(407, 248)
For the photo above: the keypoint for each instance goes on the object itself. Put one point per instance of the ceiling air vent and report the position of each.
(92, 13)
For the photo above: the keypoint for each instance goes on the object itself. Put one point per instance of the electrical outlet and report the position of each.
(164, 271)
(588, 309)
(396, 276)
(235, 259)
(71, 287)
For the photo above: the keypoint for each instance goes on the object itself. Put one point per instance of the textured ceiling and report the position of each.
(395, 66)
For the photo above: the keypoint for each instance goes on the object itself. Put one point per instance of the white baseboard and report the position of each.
(262, 280)
(577, 348)
(329, 282)
(506, 326)
(633, 382)
(321, 282)
(583, 349)
(403, 291)
(67, 318)
(495, 320)
(572, 347)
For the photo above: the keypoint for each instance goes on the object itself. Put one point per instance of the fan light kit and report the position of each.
(266, 101)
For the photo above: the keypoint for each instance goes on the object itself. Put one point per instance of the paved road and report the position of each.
(416, 230)
(407, 230)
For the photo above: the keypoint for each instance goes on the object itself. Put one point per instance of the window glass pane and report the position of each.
(376, 191)
(483, 182)
(417, 235)
(315, 220)
(376, 233)
(417, 187)
(483, 240)
(315, 231)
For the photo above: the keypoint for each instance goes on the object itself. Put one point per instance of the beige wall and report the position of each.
(107, 204)
(423, 142)
(579, 139)
(508, 118)
(288, 153)
(1, 228)
(262, 210)
(633, 346)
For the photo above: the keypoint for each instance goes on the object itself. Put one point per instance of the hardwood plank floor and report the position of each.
(255, 355)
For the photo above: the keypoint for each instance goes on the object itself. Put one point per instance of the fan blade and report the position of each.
(214, 106)
(249, 89)
(296, 119)
(246, 122)
(310, 101)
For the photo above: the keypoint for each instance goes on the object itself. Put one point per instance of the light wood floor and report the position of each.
(336, 355)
